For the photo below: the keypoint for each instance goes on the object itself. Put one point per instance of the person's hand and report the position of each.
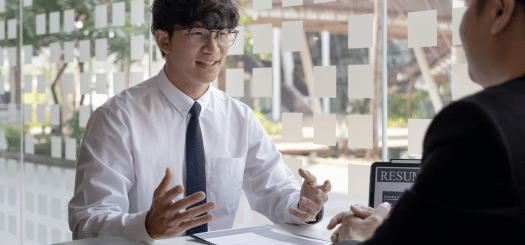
(312, 198)
(166, 219)
(354, 227)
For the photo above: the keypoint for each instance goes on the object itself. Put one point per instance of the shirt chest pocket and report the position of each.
(226, 180)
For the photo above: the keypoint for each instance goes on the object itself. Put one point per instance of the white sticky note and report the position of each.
(42, 234)
(235, 82)
(2, 89)
(417, 129)
(30, 201)
(262, 4)
(56, 146)
(68, 51)
(71, 149)
(135, 78)
(118, 13)
(325, 79)
(3, 142)
(11, 168)
(28, 108)
(360, 31)
(28, 83)
(84, 48)
(70, 179)
(2, 56)
(55, 208)
(422, 29)
(360, 81)
(41, 24)
(101, 84)
(461, 84)
(28, 3)
(2, 6)
(137, 47)
(41, 114)
(12, 29)
(238, 46)
(457, 17)
(13, 112)
(2, 30)
(29, 144)
(294, 164)
(359, 180)
(324, 129)
(42, 204)
(290, 3)
(262, 82)
(324, 1)
(101, 49)
(56, 172)
(118, 82)
(54, 118)
(101, 16)
(360, 131)
(55, 52)
(262, 38)
(137, 12)
(292, 36)
(43, 176)
(11, 53)
(69, 20)
(292, 127)
(84, 112)
(85, 82)
(41, 84)
(54, 22)
(69, 86)
(28, 54)
(29, 172)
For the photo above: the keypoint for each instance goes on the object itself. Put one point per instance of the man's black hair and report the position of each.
(213, 14)
(480, 5)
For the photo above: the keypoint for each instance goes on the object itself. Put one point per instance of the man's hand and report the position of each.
(354, 227)
(166, 219)
(312, 198)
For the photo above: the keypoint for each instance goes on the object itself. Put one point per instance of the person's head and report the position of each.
(493, 34)
(187, 58)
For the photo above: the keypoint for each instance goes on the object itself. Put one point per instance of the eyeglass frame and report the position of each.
(211, 31)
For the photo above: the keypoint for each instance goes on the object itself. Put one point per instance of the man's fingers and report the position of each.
(308, 177)
(321, 196)
(337, 219)
(327, 186)
(188, 201)
(187, 224)
(164, 184)
(300, 214)
(196, 211)
(335, 236)
(360, 212)
(381, 212)
(173, 192)
(310, 205)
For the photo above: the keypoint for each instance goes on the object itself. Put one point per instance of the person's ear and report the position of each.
(502, 12)
(163, 40)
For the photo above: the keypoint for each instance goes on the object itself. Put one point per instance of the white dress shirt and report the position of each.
(132, 138)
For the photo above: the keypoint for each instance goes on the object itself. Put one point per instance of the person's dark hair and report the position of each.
(213, 14)
(480, 5)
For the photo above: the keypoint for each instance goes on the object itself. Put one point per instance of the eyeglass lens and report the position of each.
(199, 36)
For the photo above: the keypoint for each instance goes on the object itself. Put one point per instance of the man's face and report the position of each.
(475, 36)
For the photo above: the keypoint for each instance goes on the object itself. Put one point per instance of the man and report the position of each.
(471, 188)
(175, 129)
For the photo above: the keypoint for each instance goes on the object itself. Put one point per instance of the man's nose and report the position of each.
(212, 45)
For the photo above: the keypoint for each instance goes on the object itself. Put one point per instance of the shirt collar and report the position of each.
(179, 99)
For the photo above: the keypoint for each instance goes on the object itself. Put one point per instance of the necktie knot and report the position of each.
(195, 110)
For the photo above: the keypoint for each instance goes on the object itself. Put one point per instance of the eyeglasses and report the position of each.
(199, 36)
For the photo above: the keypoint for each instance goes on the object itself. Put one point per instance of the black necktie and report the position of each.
(195, 170)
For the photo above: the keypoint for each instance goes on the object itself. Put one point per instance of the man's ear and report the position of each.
(163, 40)
(502, 13)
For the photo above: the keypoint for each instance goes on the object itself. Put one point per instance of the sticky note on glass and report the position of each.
(56, 146)
(137, 47)
(360, 131)
(359, 179)
(69, 20)
(1, 56)
(2, 89)
(41, 24)
(3, 143)
(28, 108)
(137, 12)
(101, 84)
(323, 1)
(235, 82)
(28, 83)
(101, 49)
(68, 51)
(294, 164)
(28, 3)
(262, 38)
(292, 36)
(54, 118)
(2, 30)
(118, 13)
(360, 31)
(262, 82)
(13, 112)
(71, 149)
(325, 79)
(292, 127)
(101, 16)
(12, 28)
(457, 17)
(84, 47)
(324, 129)
(54, 22)
(360, 81)
(41, 84)
(28, 54)
(29, 144)
(85, 79)
(290, 3)
(422, 29)
(461, 84)
(238, 46)
(41, 114)
(136, 78)
(11, 53)
(417, 129)
(84, 113)
(55, 52)
(2, 6)
(69, 86)
(262, 4)
(118, 82)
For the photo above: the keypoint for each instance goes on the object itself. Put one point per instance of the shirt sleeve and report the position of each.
(105, 174)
